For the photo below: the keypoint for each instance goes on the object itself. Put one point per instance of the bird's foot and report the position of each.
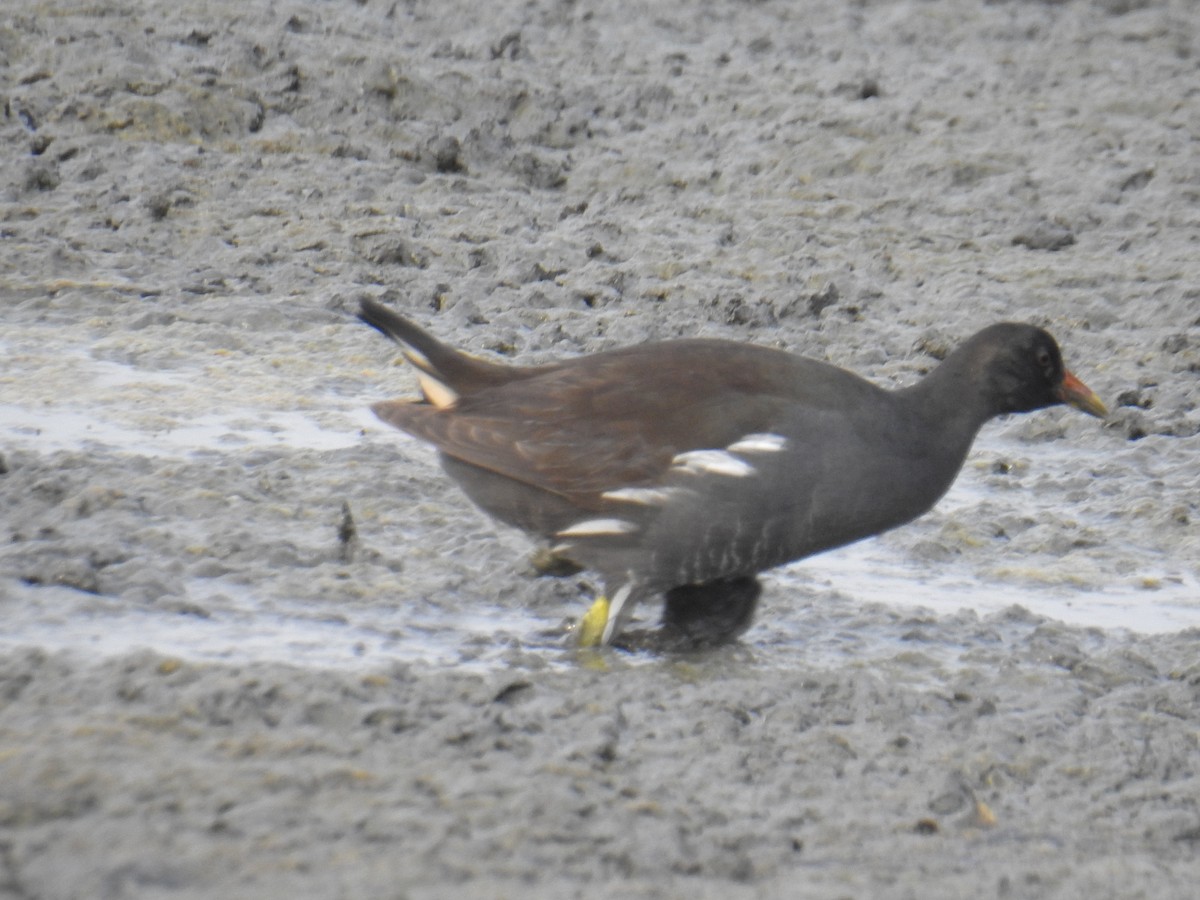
(710, 614)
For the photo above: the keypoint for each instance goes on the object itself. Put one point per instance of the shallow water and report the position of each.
(84, 403)
(199, 194)
(1153, 594)
(241, 623)
(242, 630)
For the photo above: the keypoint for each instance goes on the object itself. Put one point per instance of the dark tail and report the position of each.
(460, 371)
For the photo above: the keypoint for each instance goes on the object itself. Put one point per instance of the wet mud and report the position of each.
(255, 643)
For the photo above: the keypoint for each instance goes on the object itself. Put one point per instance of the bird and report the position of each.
(683, 469)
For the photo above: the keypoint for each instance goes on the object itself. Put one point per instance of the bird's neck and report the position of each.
(948, 407)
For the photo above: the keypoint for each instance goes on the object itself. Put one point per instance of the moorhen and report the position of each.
(685, 468)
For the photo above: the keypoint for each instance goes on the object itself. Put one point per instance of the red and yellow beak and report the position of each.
(1074, 392)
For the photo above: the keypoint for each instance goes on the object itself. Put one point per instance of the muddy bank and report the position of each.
(211, 686)
(1046, 762)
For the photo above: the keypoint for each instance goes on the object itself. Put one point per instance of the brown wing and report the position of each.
(613, 419)
(571, 463)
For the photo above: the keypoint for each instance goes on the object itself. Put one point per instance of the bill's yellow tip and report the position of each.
(591, 626)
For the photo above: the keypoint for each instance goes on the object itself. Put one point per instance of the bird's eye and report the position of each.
(1045, 363)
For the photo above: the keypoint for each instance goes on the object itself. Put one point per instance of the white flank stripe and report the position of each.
(759, 443)
(615, 605)
(592, 527)
(714, 462)
(642, 496)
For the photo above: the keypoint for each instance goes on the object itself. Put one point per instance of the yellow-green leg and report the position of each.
(593, 623)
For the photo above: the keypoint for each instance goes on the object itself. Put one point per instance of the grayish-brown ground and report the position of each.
(194, 196)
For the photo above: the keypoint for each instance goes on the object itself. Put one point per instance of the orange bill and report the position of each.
(1074, 392)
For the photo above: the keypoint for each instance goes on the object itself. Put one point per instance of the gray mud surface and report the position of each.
(210, 688)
